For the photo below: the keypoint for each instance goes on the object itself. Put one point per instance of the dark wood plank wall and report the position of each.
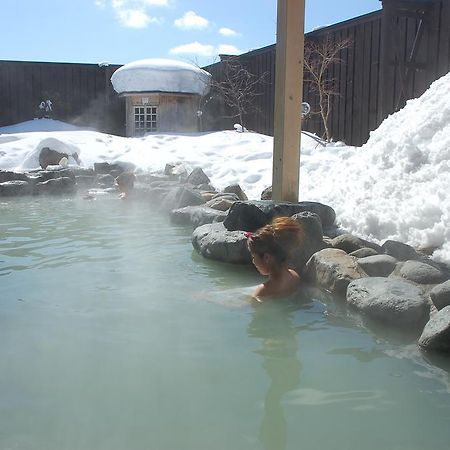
(368, 80)
(369, 77)
(81, 94)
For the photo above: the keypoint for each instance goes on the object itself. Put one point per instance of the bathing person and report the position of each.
(270, 247)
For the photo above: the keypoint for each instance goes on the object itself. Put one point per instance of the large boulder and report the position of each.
(421, 273)
(333, 270)
(364, 252)
(50, 157)
(394, 301)
(440, 295)
(15, 188)
(350, 243)
(252, 215)
(196, 215)
(214, 241)
(399, 250)
(436, 334)
(378, 265)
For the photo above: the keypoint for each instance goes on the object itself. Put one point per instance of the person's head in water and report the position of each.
(270, 247)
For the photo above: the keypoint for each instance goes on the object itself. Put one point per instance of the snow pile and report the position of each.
(161, 75)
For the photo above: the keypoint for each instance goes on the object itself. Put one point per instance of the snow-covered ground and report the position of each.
(397, 186)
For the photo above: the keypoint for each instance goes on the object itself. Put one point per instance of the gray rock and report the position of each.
(236, 189)
(221, 203)
(394, 301)
(85, 181)
(198, 177)
(44, 175)
(349, 243)
(229, 196)
(176, 171)
(266, 194)
(180, 197)
(420, 272)
(245, 215)
(333, 269)
(196, 215)
(114, 169)
(82, 171)
(214, 241)
(364, 252)
(15, 188)
(378, 265)
(399, 250)
(440, 295)
(105, 180)
(6, 175)
(56, 186)
(311, 224)
(206, 187)
(436, 334)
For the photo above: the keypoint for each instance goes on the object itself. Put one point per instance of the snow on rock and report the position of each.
(161, 75)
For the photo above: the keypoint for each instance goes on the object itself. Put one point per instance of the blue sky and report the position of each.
(120, 31)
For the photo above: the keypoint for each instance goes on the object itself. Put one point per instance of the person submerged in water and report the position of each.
(270, 247)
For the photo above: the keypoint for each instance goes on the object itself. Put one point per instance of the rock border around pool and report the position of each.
(393, 283)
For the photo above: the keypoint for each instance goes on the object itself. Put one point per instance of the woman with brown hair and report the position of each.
(270, 248)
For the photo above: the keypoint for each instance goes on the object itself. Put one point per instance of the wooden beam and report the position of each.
(288, 99)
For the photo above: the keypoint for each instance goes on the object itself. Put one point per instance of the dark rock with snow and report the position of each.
(15, 188)
(180, 197)
(196, 215)
(378, 265)
(421, 273)
(333, 270)
(266, 194)
(349, 243)
(214, 241)
(197, 177)
(56, 186)
(391, 300)
(440, 295)
(176, 171)
(82, 171)
(252, 215)
(436, 334)
(50, 157)
(399, 250)
(236, 189)
(6, 175)
(364, 252)
(44, 175)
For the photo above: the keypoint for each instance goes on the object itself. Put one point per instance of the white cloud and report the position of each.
(100, 3)
(134, 18)
(225, 49)
(133, 13)
(228, 32)
(191, 21)
(196, 48)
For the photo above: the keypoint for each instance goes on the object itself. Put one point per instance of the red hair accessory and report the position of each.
(248, 234)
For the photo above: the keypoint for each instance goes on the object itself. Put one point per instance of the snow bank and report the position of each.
(161, 75)
(38, 125)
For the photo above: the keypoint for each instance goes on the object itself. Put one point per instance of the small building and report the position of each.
(161, 95)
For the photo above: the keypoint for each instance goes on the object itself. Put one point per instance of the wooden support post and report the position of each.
(288, 99)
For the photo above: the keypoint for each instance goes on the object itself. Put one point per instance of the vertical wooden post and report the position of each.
(288, 99)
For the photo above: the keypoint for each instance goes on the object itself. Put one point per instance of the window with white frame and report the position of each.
(145, 119)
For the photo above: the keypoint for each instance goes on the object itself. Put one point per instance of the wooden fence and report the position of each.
(81, 94)
(396, 53)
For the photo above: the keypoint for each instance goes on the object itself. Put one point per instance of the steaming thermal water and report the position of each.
(115, 335)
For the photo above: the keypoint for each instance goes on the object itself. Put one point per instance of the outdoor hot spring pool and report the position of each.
(115, 334)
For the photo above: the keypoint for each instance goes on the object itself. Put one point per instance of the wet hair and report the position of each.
(278, 238)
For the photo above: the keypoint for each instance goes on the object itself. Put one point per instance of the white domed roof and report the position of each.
(161, 75)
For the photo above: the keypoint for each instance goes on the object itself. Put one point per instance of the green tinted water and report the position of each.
(115, 335)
